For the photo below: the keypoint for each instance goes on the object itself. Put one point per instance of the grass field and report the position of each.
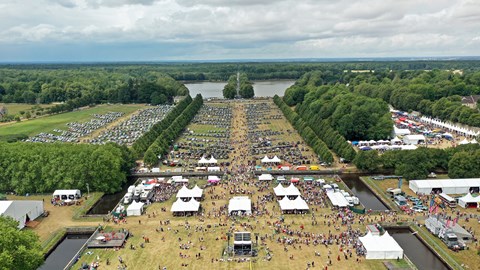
(16, 108)
(58, 121)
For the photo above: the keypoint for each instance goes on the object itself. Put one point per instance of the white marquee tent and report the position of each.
(21, 211)
(240, 203)
(337, 199)
(265, 177)
(450, 126)
(381, 247)
(185, 192)
(291, 190)
(469, 201)
(414, 139)
(448, 186)
(181, 206)
(297, 204)
(135, 209)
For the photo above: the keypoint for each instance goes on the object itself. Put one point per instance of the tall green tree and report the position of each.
(19, 249)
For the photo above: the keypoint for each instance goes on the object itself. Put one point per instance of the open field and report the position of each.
(16, 108)
(58, 121)
(163, 249)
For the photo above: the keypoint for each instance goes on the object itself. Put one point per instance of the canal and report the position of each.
(416, 251)
(366, 196)
(64, 252)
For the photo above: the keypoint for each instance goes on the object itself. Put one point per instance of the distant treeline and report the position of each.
(83, 86)
(38, 168)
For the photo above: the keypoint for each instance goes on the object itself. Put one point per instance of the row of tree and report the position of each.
(245, 87)
(460, 162)
(39, 168)
(164, 141)
(305, 131)
(354, 116)
(143, 143)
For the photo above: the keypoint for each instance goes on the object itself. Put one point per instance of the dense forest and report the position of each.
(245, 91)
(39, 168)
(84, 86)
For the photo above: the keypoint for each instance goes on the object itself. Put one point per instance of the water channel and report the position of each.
(416, 251)
(64, 252)
(366, 196)
(261, 88)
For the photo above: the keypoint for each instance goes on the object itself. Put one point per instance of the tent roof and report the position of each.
(181, 206)
(414, 137)
(185, 192)
(213, 178)
(212, 160)
(66, 192)
(203, 160)
(135, 206)
(446, 183)
(337, 199)
(291, 190)
(382, 243)
(297, 204)
(265, 177)
(240, 203)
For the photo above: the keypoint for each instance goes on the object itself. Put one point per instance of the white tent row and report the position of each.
(265, 177)
(240, 203)
(275, 159)
(337, 199)
(447, 186)
(392, 147)
(291, 190)
(297, 204)
(465, 141)
(180, 206)
(21, 211)
(468, 201)
(203, 160)
(381, 247)
(185, 192)
(449, 126)
(135, 209)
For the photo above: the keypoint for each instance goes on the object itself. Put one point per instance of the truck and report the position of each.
(452, 242)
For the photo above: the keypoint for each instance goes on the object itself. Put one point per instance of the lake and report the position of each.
(261, 88)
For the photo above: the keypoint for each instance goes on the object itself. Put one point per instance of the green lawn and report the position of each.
(58, 121)
(16, 108)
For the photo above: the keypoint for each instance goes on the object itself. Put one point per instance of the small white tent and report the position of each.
(468, 201)
(135, 209)
(21, 211)
(265, 177)
(240, 203)
(381, 247)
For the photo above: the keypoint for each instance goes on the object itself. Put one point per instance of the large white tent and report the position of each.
(414, 139)
(185, 192)
(448, 186)
(297, 204)
(381, 247)
(240, 203)
(291, 190)
(468, 201)
(265, 177)
(180, 206)
(135, 209)
(21, 211)
(337, 199)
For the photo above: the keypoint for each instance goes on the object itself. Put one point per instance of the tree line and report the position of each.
(459, 162)
(318, 146)
(245, 91)
(141, 145)
(162, 143)
(39, 168)
(354, 116)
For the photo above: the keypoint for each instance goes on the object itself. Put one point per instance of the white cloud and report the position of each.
(249, 28)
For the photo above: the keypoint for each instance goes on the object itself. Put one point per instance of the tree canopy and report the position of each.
(19, 249)
(245, 91)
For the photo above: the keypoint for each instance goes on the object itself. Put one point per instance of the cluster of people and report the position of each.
(164, 191)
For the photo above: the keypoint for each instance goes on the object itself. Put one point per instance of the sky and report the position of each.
(161, 30)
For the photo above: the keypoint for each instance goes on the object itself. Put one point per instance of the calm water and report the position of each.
(367, 198)
(261, 88)
(416, 251)
(64, 252)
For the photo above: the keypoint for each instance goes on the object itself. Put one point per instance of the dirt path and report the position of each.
(239, 136)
